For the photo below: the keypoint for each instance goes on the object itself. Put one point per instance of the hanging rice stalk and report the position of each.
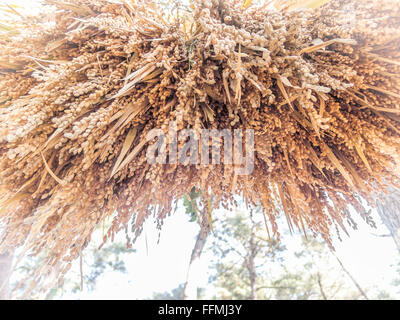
(319, 87)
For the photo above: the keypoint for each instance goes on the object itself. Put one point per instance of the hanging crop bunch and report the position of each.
(80, 90)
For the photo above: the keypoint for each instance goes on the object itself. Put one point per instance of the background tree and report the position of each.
(82, 275)
(389, 211)
(241, 250)
(176, 294)
(249, 266)
(317, 274)
(198, 207)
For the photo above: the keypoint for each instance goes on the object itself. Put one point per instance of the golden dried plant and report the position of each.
(80, 90)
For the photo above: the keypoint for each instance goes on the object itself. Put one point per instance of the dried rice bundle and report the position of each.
(79, 93)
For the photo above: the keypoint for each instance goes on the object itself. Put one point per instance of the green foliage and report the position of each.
(106, 259)
(174, 294)
(95, 263)
(240, 241)
(190, 202)
(316, 276)
(302, 272)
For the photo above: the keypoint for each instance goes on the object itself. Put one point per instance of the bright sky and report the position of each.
(368, 257)
(29, 6)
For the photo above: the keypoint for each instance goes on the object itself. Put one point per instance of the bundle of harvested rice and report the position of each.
(80, 91)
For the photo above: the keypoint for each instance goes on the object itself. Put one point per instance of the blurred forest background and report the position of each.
(241, 262)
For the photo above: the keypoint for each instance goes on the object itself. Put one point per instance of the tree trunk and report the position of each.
(321, 289)
(5, 272)
(251, 264)
(352, 279)
(191, 284)
(389, 211)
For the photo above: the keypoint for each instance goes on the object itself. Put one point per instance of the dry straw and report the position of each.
(80, 89)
